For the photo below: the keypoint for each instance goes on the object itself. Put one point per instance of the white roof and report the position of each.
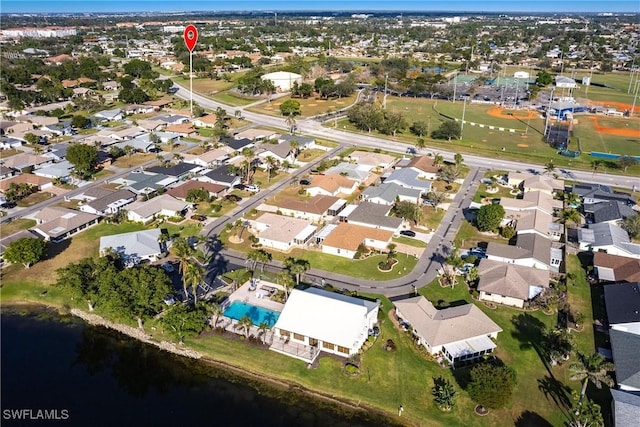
(281, 75)
(135, 244)
(326, 316)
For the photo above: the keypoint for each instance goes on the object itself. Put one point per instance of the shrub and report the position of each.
(351, 369)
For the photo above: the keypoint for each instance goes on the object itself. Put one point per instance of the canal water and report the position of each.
(57, 370)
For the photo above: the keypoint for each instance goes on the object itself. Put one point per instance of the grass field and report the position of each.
(232, 99)
(34, 199)
(133, 161)
(308, 107)
(15, 226)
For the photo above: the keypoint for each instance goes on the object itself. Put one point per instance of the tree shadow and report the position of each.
(531, 419)
(555, 390)
(55, 249)
(529, 332)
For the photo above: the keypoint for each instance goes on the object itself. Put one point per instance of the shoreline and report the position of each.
(282, 384)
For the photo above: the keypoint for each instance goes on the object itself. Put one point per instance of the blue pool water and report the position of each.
(237, 310)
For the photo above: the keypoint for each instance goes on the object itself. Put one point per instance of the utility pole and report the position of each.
(546, 122)
(464, 108)
(631, 75)
(455, 80)
(384, 98)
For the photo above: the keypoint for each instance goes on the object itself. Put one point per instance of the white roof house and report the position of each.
(328, 321)
(462, 333)
(163, 205)
(135, 246)
(282, 232)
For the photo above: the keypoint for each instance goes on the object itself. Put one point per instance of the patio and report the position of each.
(257, 292)
(299, 351)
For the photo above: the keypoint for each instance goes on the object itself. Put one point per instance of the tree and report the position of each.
(443, 393)
(544, 78)
(31, 138)
(195, 195)
(592, 368)
(570, 216)
(80, 122)
(129, 150)
(457, 160)
(489, 217)
(625, 161)
(392, 123)
(632, 225)
(491, 385)
(435, 198)
(297, 267)
(549, 167)
(588, 414)
(419, 128)
(83, 157)
(408, 211)
(185, 319)
(449, 129)
(192, 276)
(263, 328)
(557, 344)
(245, 323)
(596, 166)
(285, 280)
(215, 311)
(449, 173)
(290, 107)
(291, 123)
(183, 251)
(27, 251)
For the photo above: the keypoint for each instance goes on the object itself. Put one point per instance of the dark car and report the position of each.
(199, 217)
(233, 198)
(374, 332)
(305, 182)
(408, 233)
(8, 205)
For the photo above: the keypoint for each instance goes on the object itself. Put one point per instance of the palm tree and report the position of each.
(549, 167)
(264, 328)
(160, 159)
(291, 122)
(571, 198)
(457, 159)
(285, 280)
(246, 324)
(216, 311)
(420, 143)
(592, 368)
(129, 150)
(192, 276)
(437, 159)
(596, 166)
(297, 267)
(264, 257)
(272, 164)
(294, 148)
(248, 156)
(254, 256)
(570, 216)
(177, 157)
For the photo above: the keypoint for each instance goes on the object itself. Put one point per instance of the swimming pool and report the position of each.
(238, 309)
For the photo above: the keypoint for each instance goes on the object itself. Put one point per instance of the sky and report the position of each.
(505, 6)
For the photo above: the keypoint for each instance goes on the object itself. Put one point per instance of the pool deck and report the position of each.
(258, 296)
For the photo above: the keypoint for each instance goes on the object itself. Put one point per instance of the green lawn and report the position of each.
(34, 199)
(409, 241)
(232, 99)
(15, 226)
(468, 236)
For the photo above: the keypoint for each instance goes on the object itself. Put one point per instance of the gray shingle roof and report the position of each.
(375, 215)
(626, 356)
(626, 408)
(623, 302)
(389, 191)
(609, 211)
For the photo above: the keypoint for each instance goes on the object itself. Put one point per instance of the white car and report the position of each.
(252, 188)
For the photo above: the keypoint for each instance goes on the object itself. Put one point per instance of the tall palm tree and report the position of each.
(192, 276)
(248, 156)
(291, 122)
(285, 280)
(264, 257)
(596, 166)
(570, 216)
(264, 328)
(297, 267)
(215, 310)
(437, 159)
(592, 368)
(549, 167)
(420, 143)
(272, 164)
(295, 145)
(245, 324)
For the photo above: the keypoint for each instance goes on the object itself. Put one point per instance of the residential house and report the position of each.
(375, 216)
(373, 160)
(37, 120)
(209, 159)
(137, 109)
(141, 143)
(61, 128)
(409, 178)
(281, 152)
(424, 166)
(282, 232)
(532, 200)
(539, 222)
(7, 172)
(355, 172)
(7, 143)
(57, 152)
(56, 223)
(39, 182)
(388, 193)
(530, 250)
(461, 333)
(614, 268)
(24, 160)
(161, 206)
(178, 171)
(625, 408)
(208, 121)
(331, 185)
(182, 191)
(220, 175)
(256, 134)
(345, 239)
(625, 348)
(527, 182)
(597, 193)
(172, 119)
(510, 284)
(622, 301)
(326, 321)
(135, 246)
(182, 130)
(61, 170)
(612, 211)
(110, 203)
(609, 238)
(238, 144)
(143, 183)
(316, 208)
(158, 104)
(304, 143)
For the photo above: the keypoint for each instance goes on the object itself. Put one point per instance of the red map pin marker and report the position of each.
(190, 37)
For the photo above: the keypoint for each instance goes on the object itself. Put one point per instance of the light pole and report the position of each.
(464, 109)
(546, 122)
(384, 98)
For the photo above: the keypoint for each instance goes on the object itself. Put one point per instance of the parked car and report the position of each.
(197, 217)
(168, 267)
(374, 332)
(8, 205)
(305, 182)
(252, 188)
(233, 198)
(412, 150)
(408, 233)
